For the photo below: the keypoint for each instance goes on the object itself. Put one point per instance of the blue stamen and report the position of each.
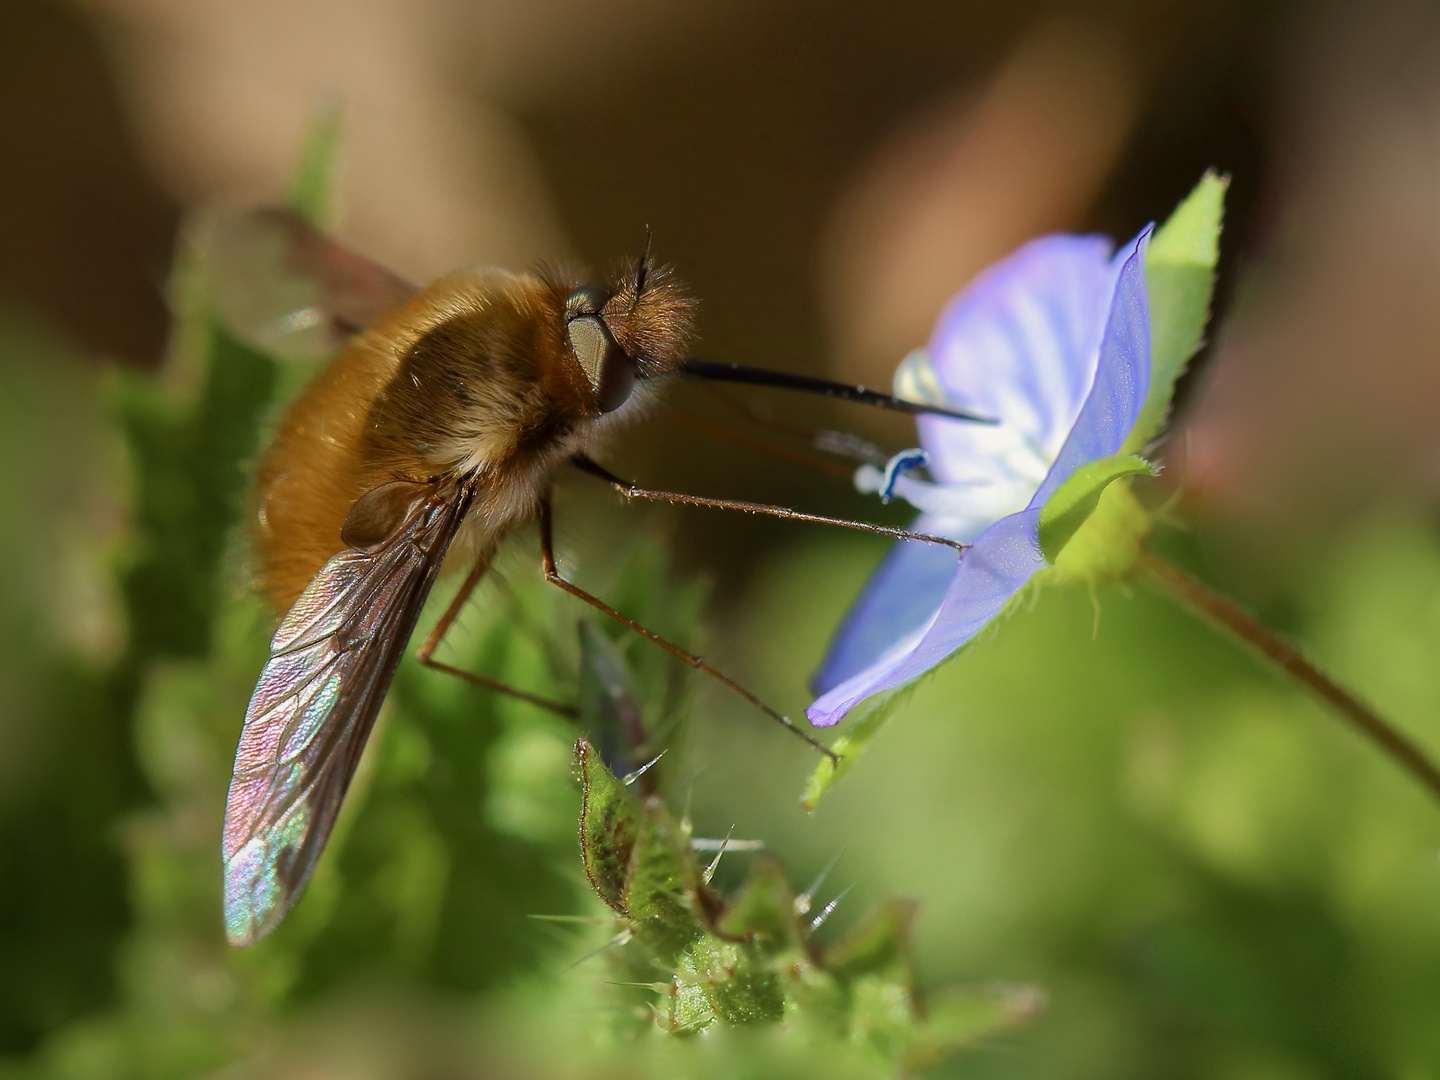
(903, 462)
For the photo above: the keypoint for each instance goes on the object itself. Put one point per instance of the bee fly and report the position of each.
(435, 429)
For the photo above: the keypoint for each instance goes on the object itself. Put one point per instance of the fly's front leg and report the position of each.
(634, 491)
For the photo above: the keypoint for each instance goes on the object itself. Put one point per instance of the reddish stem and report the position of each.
(1204, 601)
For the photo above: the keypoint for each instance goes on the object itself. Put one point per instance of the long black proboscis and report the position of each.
(784, 380)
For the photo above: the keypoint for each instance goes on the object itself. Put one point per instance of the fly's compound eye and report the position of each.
(611, 372)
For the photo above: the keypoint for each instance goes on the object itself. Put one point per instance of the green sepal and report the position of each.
(1107, 547)
(1180, 279)
(1071, 506)
(847, 748)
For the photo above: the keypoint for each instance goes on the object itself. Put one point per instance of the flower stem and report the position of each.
(1205, 601)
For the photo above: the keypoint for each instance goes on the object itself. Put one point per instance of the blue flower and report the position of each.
(1054, 343)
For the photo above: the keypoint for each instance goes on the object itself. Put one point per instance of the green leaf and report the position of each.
(638, 860)
(879, 943)
(609, 706)
(962, 1018)
(311, 193)
(190, 453)
(750, 960)
(1180, 277)
(1071, 506)
(664, 898)
(848, 747)
(764, 909)
(610, 827)
(727, 981)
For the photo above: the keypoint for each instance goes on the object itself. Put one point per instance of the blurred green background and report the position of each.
(1205, 874)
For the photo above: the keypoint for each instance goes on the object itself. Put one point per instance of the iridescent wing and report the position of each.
(284, 287)
(330, 664)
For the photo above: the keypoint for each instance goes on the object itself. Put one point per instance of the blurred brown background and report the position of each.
(823, 174)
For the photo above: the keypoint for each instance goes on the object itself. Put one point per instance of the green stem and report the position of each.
(1224, 612)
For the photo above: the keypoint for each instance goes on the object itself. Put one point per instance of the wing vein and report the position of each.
(315, 703)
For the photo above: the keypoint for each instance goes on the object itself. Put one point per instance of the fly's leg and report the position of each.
(552, 575)
(425, 654)
(632, 491)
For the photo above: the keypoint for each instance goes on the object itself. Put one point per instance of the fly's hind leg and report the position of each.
(425, 654)
(552, 575)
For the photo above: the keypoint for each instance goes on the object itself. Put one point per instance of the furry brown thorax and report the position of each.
(500, 375)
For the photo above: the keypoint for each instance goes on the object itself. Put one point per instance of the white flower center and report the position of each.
(998, 474)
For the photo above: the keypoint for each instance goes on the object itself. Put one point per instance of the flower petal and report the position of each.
(1003, 559)
(1020, 344)
(1069, 335)
(900, 599)
(1122, 375)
